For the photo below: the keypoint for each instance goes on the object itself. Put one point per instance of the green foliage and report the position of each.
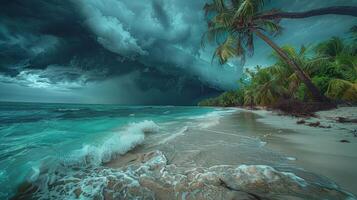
(353, 32)
(227, 99)
(332, 66)
(231, 24)
(342, 90)
(330, 48)
(301, 93)
(226, 50)
(321, 82)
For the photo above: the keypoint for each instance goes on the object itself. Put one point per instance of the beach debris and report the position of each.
(302, 121)
(318, 124)
(345, 120)
(314, 124)
(323, 126)
(345, 141)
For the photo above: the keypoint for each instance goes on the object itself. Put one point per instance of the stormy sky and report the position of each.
(130, 51)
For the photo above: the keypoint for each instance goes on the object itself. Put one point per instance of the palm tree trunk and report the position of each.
(316, 94)
(336, 10)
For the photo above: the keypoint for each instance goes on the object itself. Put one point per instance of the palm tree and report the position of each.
(286, 75)
(341, 68)
(237, 24)
(353, 32)
(340, 56)
(233, 26)
(269, 86)
(331, 48)
(334, 10)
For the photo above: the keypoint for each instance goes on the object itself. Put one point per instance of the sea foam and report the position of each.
(93, 155)
(212, 118)
(151, 177)
(117, 144)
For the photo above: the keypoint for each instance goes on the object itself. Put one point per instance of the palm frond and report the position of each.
(342, 89)
(215, 6)
(247, 8)
(213, 34)
(226, 50)
(353, 31)
(330, 48)
(271, 27)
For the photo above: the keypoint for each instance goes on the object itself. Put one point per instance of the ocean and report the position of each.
(38, 137)
(74, 151)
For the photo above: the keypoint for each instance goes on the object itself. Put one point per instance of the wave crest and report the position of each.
(94, 155)
(118, 144)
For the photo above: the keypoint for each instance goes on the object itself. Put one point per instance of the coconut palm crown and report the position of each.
(232, 26)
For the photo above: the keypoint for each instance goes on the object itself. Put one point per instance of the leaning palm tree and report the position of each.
(353, 32)
(233, 26)
(333, 10)
(286, 75)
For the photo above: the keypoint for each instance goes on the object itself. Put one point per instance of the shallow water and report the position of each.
(66, 151)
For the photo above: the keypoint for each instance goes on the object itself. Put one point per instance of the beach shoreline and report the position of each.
(229, 153)
(316, 150)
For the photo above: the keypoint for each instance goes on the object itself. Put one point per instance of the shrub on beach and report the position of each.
(299, 108)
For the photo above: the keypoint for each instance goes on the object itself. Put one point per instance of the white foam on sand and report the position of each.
(173, 136)
(151, 177)
(212, 118)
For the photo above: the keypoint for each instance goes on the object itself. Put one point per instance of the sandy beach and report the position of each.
(317, 149)
(264, 138)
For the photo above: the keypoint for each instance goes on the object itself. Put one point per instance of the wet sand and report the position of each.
(221, 144)
(240, 139)
(318, 150)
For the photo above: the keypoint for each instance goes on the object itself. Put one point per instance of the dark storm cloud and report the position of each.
(66, 45)
(39, 34)
(161, 14)
(126, 51)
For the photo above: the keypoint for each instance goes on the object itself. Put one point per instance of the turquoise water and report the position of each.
(38, 137)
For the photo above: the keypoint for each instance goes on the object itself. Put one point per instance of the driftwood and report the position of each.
(345, 120)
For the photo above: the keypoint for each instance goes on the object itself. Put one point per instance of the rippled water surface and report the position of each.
(35, 136)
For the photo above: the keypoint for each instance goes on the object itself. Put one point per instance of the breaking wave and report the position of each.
(117, 144)
(92, 155)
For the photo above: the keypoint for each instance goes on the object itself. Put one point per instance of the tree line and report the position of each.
(328, 75)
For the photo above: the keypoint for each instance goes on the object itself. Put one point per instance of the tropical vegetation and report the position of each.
(331, 65)
(234, 24)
